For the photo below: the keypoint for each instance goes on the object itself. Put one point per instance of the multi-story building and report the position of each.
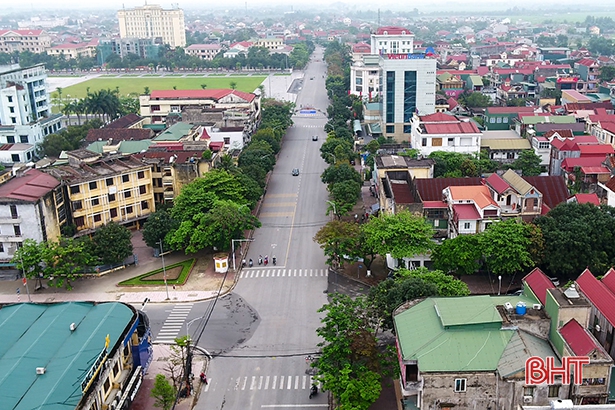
(237, 105)
(270, 43)
(101, 190)
(31, 207)
(25, 110)
(143, 47)
(17, 41)
(471, 209)
(96, 353)
(152, 21)
(75, 50)
(365, 77)
(443, 132)
(204, 51)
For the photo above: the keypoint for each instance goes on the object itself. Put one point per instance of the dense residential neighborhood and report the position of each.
(401, 212)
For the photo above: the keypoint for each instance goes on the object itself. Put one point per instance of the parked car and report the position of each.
(314, 137)
(295, 172)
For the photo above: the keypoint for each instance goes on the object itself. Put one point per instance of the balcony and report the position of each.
(510, 209)
(169, 195)
(412, 388)
(167, 180)
(10, 221)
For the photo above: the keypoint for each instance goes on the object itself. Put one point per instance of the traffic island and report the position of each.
(176, 274)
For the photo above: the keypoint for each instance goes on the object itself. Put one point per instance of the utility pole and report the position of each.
(164, 270)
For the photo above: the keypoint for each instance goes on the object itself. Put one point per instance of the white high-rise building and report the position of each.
(25, 110)
(152, 21)
(405, 82)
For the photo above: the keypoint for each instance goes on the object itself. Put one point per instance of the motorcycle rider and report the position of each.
(273, 259)
(250, 262)
(260, 259)
(313, 391)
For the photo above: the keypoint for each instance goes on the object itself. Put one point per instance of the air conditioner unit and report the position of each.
(597, 328)
(508, 306)
(537, 306)
(40, 370)
(527, 399)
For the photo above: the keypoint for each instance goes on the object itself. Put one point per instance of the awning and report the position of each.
(216, 145)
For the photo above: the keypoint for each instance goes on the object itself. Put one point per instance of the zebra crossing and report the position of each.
(310, 126)
(265, 383)
(281, 273)
(172, 327)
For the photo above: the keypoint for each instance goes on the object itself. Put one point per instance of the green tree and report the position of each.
(352, 365)
(528, 163)
(233, 84)
(388, 295)
(506, 247)
(163, 392)
(446, 284)
(112, 243)
(607, 73)
(475, 100)
(339, 173)
(335, 150)
(337, 238)
(28, 258)
(372, 147)
(157, 227)
(460, 255)
(345, 195)
(401, 235)
(65, 261)
(578, 236)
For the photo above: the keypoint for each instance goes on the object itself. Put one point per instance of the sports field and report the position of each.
(128, 85)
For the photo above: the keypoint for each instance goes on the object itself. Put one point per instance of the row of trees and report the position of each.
(457, 165)
(212, 210)
(62, 261)
(103, 104)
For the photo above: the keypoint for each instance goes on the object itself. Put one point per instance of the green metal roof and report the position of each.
(155, 127)
(521, 347)
(175, 132)
(455, 334)
(39, 335)
(134, 147)
(475, 80)
(553, 119)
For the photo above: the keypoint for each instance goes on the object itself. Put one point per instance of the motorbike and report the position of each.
(313, 391)
(260, 260)
(266, 260)
(250, 263)
(273, 260)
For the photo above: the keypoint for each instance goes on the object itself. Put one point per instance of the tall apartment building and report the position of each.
(152, 21)
(143, 47)
(35, 41)
(25, 109)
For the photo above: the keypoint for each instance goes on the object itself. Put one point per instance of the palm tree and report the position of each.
(226, 163)
(68, 109)
(203, 86)
(146, 91)
(175, 87)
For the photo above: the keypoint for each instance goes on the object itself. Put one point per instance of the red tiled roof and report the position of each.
(608, 280)
(538, 282)
(361, 47)
(588, 62)
(181, 157)
(455, 128)
(608, 126)
(466, 212)
(598, 294)
(577, 338)
(118, 134)
(497, 183)
(595, 170)
(597, 149)
(570, 163)
(199, 94)
(434, 204)
(430, 189)
(480, 194)
(402, 194)
(587, 199)
(567, 144)
(29, 187)
(588, 106)
(392, 30)
(124, 121)
(553, 188)
(561, 133)
(438, 117)
(22, 32)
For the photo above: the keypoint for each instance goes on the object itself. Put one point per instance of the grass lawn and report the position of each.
(177, 274)
(137, 84)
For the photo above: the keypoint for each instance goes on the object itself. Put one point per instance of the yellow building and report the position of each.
(270, 43)
(35, 41)
(101, 190)
(152, 21)
(74, 51)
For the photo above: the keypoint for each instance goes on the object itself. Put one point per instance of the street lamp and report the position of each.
(499, 284)
(164, 270)
(188, 327)
(233, 246)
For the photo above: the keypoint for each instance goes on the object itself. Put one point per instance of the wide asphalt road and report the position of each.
(266, 367)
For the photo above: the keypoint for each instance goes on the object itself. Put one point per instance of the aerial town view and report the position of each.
(273, 206)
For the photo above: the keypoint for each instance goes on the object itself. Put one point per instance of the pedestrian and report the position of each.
(203, 378)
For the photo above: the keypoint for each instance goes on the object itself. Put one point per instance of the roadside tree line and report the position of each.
(212, 210)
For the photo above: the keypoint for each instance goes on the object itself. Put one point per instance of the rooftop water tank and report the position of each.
(520, 308)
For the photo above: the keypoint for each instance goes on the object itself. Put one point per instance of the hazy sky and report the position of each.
(423, 6)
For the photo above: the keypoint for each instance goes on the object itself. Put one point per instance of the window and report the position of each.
(23, 139)
(77, 205)
(109, 181)
(144, 205)
(17, 230)
(451, 142)
(155, 108)
(466, 225)
(554, 391)
(10, 139)
(95, 201)
(1, 247)
(93, 185)
(14, 214)
(141, 174)
(390, 129)
(111, 197)
(499, 120)
(15, 157)
(113, 212)
(97, 218)
(436, 142)
(407, 129)
(492, 120)
(10, 98)
(129, 210)
(460, 385)
(528, 390)
(127, 193)
(11, 109)
(125, 178)
(74, 189)
(510, 155)
(505, 120)
(142, 189)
